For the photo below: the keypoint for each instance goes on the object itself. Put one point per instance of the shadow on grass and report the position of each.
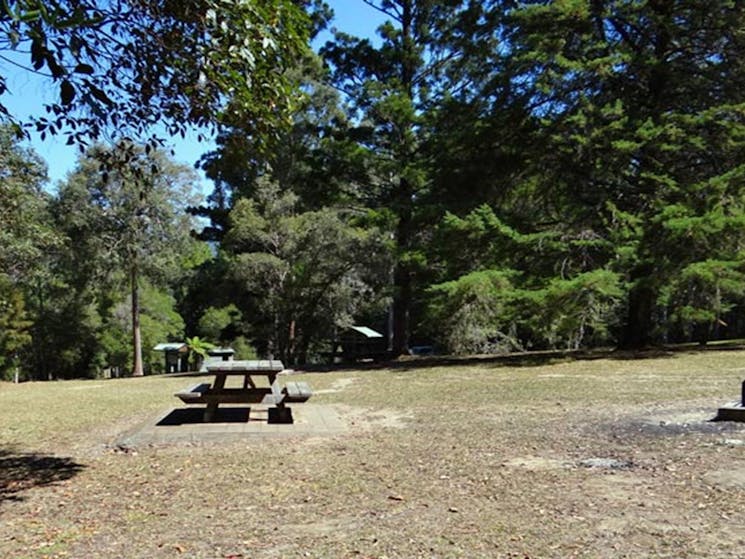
(531, 358)
(21, 471)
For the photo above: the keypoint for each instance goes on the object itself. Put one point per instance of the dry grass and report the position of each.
(603, 457)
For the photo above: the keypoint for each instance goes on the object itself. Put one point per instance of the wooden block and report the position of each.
(279, 415)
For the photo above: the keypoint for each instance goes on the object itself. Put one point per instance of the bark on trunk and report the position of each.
(401, 310)
(137, 370)
(637, 331)
(402, 276)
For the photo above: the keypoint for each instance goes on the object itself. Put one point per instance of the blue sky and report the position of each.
(27, 94)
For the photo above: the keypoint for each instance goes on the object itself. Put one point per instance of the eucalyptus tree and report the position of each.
(25, 230)
(27, 242)
(124, 210)
(298, 274)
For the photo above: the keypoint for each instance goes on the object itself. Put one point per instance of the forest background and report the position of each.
(485, 177)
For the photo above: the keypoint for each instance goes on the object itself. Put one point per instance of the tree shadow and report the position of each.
(531, 358)
(21, 471)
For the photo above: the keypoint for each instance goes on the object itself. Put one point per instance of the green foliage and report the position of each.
(303, 273)
(134, 200)
(702, 294)
(474, 314)
(530, 290)
(123, 67)
(25, 229)
(494, 311)
(115, 343)
(509, 175)
(114, 219)
(580, 311)
(15, 333)
(215, 322)
(243, 348)
(159, 322)
(640, 144)
(198, 349)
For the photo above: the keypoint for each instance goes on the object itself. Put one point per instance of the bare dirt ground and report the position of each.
(607, 457)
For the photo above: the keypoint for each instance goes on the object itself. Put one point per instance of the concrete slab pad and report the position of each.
(186, 425)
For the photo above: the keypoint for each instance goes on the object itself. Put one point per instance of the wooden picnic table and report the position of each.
(254, 389)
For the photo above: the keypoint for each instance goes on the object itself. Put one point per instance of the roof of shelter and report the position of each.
(367, 332)
(173, 346)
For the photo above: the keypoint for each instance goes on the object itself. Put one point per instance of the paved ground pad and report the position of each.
(232, 423)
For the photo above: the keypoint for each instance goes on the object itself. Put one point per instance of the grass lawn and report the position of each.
(607, 457)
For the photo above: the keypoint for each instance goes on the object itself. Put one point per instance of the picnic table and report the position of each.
(259, 385)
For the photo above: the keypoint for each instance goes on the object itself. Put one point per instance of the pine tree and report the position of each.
(641, 128)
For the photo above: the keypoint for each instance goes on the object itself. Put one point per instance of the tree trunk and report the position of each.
(402, 277)
(291, 357)
(137, 370)
(404, 197)
(637, 331)
(401, 310)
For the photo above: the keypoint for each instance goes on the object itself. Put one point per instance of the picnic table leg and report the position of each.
(210, 412)
(279, 413)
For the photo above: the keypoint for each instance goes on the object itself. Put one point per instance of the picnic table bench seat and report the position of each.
(242, 396)
(194, 394)
(297, 392)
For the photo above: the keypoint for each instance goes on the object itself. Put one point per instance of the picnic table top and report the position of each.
(251, 366)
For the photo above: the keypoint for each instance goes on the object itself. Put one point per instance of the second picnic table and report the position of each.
(216, 393)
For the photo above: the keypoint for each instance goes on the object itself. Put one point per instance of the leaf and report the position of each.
(99, 94)
(67, 92)
(55, 67)
(83, 69)
(31, 15)
(37, 53)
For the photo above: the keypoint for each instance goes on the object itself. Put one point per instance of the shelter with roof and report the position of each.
(360, 342)
(176, 356)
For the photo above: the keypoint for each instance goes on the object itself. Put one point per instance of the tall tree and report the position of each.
(312, 157)
(25, 230)
(125, 209)
(393, 88)
(27, 242)
(300, 274)
(641, 112)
